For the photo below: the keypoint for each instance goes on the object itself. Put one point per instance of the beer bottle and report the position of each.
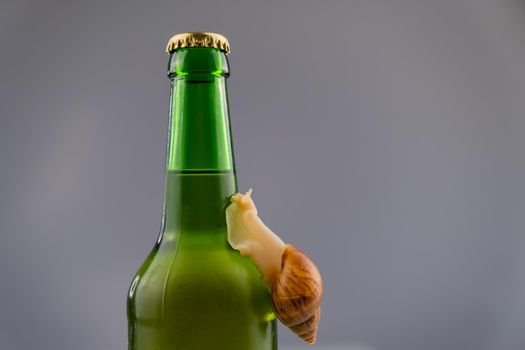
(193, 291)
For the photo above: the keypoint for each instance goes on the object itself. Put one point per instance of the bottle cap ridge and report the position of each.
(198, 39)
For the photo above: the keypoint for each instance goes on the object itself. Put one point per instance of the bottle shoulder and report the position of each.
(198, 281)
(178, 268)
(196, 262)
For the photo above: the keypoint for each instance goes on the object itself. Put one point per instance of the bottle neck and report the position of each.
(200, 167)
(199, 128)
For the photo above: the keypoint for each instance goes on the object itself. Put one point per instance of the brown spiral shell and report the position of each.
(297, 294)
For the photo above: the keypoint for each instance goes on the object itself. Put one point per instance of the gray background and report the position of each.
(384, 137)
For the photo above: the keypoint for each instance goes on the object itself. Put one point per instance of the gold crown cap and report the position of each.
(198, 39)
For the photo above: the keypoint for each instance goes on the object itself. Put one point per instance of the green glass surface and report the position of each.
(194, 291)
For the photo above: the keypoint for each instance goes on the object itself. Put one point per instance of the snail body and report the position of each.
(295, 281)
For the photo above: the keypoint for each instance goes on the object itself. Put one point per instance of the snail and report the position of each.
(295, 282)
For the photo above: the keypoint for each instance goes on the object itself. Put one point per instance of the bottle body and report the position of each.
(194, 291)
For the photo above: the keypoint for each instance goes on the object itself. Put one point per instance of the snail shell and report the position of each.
(297, 294)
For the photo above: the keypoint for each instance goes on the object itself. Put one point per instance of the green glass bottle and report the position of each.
(194, 291)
